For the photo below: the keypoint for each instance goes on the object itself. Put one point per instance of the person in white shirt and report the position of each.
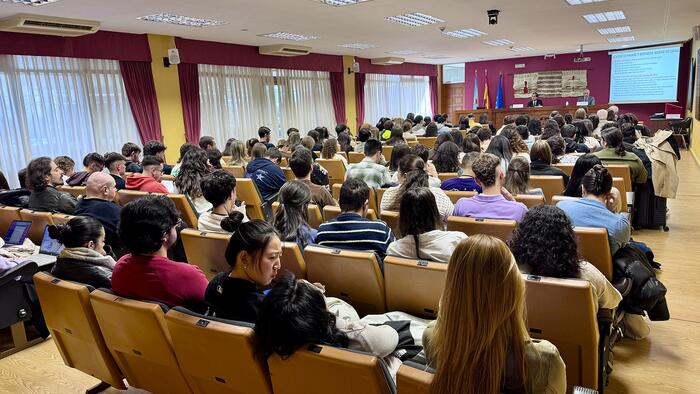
(219, 189)
(420, 226)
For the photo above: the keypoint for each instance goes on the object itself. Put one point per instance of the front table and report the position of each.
(497, 115)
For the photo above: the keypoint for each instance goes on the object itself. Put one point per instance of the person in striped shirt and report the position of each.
(351, 230)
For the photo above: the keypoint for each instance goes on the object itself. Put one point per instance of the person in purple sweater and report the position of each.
(495, 202)
(466, 182)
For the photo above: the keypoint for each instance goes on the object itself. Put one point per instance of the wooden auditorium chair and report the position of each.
(568, 168)
(61, 218)
(455, 195)
(502, 229)
(557, 199)
(414, 286)
(355, 157)
(217, 355)
(447, 175)
(188, 214)
(373, 200)
(314, 214)
(256, 207)
(289, 174)
(391, 219)
(292, 259)
(236, 171)
(428, 142)
(7, 215)
(593, 246)
(136, 335)
(73, 326)
(127, 196)
(413, 378)
(621, 171)
(206, 250)
(76, 191)
(331, 212)
(336, 170)
(550, 184)
(529, 200)
(386, 151)
(39, 222)
(353, 276)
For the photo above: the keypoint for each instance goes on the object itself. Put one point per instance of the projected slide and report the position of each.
(644, 75)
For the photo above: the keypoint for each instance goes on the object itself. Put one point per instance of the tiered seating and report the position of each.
(256, 208)
(336, 170)
(502, 229)
(184, 206)
(455, 195)
(39, 222)
(428, 142)
(289, 174)
(414, 286)
(236, 171)
(355, 157)
(127, 196)
(392, 220)
(374, 201)
(206, 250)
(60, 218)
(550, 184)
(447, 175)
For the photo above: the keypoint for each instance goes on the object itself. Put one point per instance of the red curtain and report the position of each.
(338, 93)
(189, 92)
(360, 97)
(434, 94)
(141, 92)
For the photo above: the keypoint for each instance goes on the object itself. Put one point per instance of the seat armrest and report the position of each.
(25, 270)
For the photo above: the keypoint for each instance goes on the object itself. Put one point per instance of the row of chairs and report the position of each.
(39, 220)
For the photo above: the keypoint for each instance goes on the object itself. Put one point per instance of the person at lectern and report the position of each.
(586, 98)
(535, 101)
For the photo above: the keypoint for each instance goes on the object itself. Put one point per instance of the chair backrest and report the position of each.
(414, 286)
(136, 335)
(447, 175)
(61, 218)
(7, 215)
(39, 221)
(550, 305)
(355, 157)
(558, 199)
(412, 143)
(568, 168)
(314, 212)
(353, 276)
(76, 191)
(318, 369)
(373, 201)
(386, 151)
(127, 196)
(392, 220)
(380, 194)
(594, 247)
(502, 229)
(411, 380)
(619, 183)
(550, 184)
(428, 142)
(289, 174)
(184, 206)
(206, 250)
(237, 171)
(73, 326)
(293, 260)
(621, 171)
(248, 192)
(336, 170)
(331, 212)
(284, 162)
(529, 200)
(216, 355)
(455, 195)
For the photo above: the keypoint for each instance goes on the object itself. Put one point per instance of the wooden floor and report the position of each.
(667, 362)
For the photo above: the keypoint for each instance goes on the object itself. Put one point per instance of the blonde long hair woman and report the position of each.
(479, 342)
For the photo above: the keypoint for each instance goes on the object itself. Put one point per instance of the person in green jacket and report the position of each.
(614, 153)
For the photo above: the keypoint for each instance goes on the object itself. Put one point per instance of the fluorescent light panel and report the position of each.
(359, 45)
(464, 33)
(621, 39)
(341, 3)
(498, 43)
(414, 19)
(522, 49)
(604, 17)
(614, 30)
(583, 2)
(437, 57)
(30, 2)
(402, 53)
(180, 20)
(283, 35)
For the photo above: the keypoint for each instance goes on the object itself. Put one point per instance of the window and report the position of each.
(51, 106)
(395, 96)
(453, 73)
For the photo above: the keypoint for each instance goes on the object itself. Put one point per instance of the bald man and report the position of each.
(99, 204)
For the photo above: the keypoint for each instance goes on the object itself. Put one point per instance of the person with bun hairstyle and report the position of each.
(148, 227)
(292, 216)
(614, 153)
(253, 253)
(598, 207)
(480, 342)
(219, 188)
(583, 164)
(83, 258)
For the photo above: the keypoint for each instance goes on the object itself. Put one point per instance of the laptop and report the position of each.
(17, 232)
(48, 251)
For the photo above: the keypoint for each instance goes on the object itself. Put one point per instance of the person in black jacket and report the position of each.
(99, 204)
(541, 161)
(116, 165)
(83, 259)
(132, 152)
(43, 175)
(568, 132)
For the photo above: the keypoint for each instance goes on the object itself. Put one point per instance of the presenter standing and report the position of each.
(586, 98)
(535, 101)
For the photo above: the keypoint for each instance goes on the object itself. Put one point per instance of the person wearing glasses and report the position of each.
(149, 180)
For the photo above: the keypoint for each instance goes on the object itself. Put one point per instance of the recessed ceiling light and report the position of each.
(464, 33)
(414, 19)
(621, 39)
(581, 2)
(437, 57)
(614, 30)
(625, 46)
(498, 43)
(181, 20)
(30, 2)
(604, 17)
(283, 35)
(340, 3)
(522, 49)
(359, 45)
(402, 53)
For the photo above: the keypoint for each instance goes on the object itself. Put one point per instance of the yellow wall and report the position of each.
(349, 84)
(695, 147)
(167, 86)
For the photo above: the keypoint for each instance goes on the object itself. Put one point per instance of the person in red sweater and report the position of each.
(149, 180)
(147, 229)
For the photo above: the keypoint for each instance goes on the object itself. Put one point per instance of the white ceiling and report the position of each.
(548, 26)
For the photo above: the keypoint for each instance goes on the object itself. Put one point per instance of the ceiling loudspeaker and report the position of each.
(388, 61)
(51, 25)
(696, 33)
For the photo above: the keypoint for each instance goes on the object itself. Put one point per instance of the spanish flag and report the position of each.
(487, 105)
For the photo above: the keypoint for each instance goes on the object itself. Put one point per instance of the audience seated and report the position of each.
(149, 179)
(83, 258)
(237, 154)
(558, 147)
(43, 175)
(93, 162)
(446, 157)
(397, 153)
(396, 137)
(598, 206)
(485, 136)
(345, 141)
(132, 152)
(116, 165)
(584, 131)
(264, 137)
(219, 188)
(541, 164)
(411, 175)
(292, 217)
(268, 176)
(330, 151)
(67, 165)
(583, 164)
(193, 168)
(302, 164)
(518, 178)
(423, 152)
(184, 148)
(464, 182)
(431, 130)
(362, 137)
(544, 244)
(517, 146)
(369, 169)
(148, 227)
(254, 256)
(481, 323)
(99, 204)
(214, 157)
(206, 142)
(421, 228)
(495, 202)
(156, 148)
(351, 229)
(500, 147)
(614, 153)
(573, 142)
(534, 127)
(525, 135)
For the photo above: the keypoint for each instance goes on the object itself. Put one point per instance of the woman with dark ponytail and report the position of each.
(292, 216)
(83, 258)
(614, 153)
(253, 252)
